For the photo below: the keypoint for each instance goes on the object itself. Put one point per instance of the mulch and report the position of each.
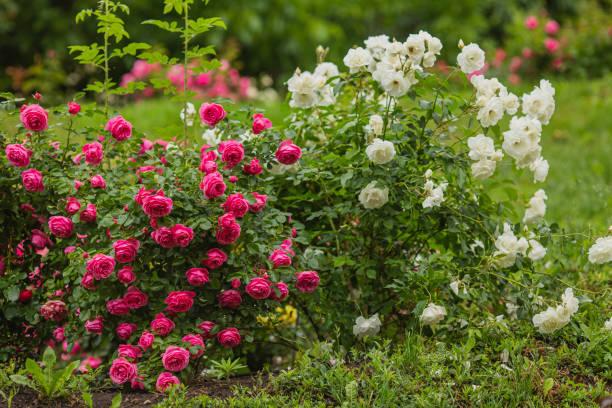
(201, 386)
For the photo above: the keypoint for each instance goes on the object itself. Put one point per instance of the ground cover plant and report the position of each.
(395, 201)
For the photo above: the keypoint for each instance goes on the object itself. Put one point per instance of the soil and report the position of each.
(202, 386)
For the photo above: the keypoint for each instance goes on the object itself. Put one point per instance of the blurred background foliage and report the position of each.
(268, 36)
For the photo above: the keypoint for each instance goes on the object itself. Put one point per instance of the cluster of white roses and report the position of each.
(312, 89)
(508, 246)
(394, 64)
(372, 197)
(555, 318)
(366, 327)
(601, 251)
(493, 100)
(482, 151)
(434, 195)
(432, 314)
(537, 207)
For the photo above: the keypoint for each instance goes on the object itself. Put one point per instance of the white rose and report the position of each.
(428, 174)
(537, 251)
(303, 100)
(432, 314)
(212, 137)
(326, 70)
(601, 251)
(555, 318)
(190, 114)
(570, 302)
(395, 83)
(539, 167)
(357, 59)
(429, 59)
(455, 287)
(491, 112)
(481, 147)
(380, 151)
(303, 83)
(433, 44)
(377, 45)
(415, 47)
(435, 195)
(471, 58)
(366, 327)
(375, 125)
(396, 48)
(372, 197)
(537, 207)
(483, 169)
(540, 103)
(511, 103)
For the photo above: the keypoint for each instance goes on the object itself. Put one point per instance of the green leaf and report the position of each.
(49, 358)
(87, 398)
(21, 380)
(61, 376)
(37, 375)
(116, 402)
(548, 384)
(12, 293)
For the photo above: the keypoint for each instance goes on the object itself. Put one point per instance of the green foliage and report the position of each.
(47, 381)
(225, 368)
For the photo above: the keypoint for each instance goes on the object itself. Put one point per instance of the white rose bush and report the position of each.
(398, 188)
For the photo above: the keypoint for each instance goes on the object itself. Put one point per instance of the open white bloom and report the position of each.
(521, 142)
(190, 114)
(377, 45)
(212, 136)
(555, 318)
(536, 251)
(432, 314)
(326, 70)
(483, 169)
(375, 125)
(396, 49)
(491, 112)
(482, 150)
(357, 59)
(435, 195)
(540, 103)
(488, 88)
(471, 58)
(454, 285)
(537, 207)
(303, 83)
(278, 169)
(373, 197)
(508, 247)
(326, 96)
(539, 167)
(415, 48)
(433, 44)
(428, 173)
(366, 327)
(511, 103)
(395, 83)
(601, 251)
(608, 325)
(380, 151)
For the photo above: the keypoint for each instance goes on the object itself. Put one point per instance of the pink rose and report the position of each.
(141, 195)
(73, 108)
(182, 235)
(283, 292)
(166, 380)
(180, 301)
(146, 340)
(280, 257)
(162, 325)
(229, 337)
(89, 214)
(527, 53)
(34, 117)
(128, 351)
(206, 327)
(118, 307)
(195, 340)
(77, 184)
(157, 205)
(72, 205)
(122, 371)
(125, 250)
(258, 288)
(93, 153)
(90, 362)
(260, 202)
(531, 22)
(101, 266)
(236, 283)
(233, 179)
(95, 326)
(551, 44)
(236, 204)
(207, 166)
(288, 153)
(307, 281)
(226, 236)
(215, 259)
(18, 155)
(88, 281)
(232, 152)
(175, 358)
(206, 154)
(164, 237)
(54, 309)
(260, 123)
(126, 275)
(230, 298)
(61, 227)
(211, 113)
(135, 298)
(58, 334)
(197, 276)
(120, 128)
(125, 330)
(98, 181)
(254, 168)
(145, 146)
(40, 239)
(212, 185)
(32, 180)
(551, 27)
